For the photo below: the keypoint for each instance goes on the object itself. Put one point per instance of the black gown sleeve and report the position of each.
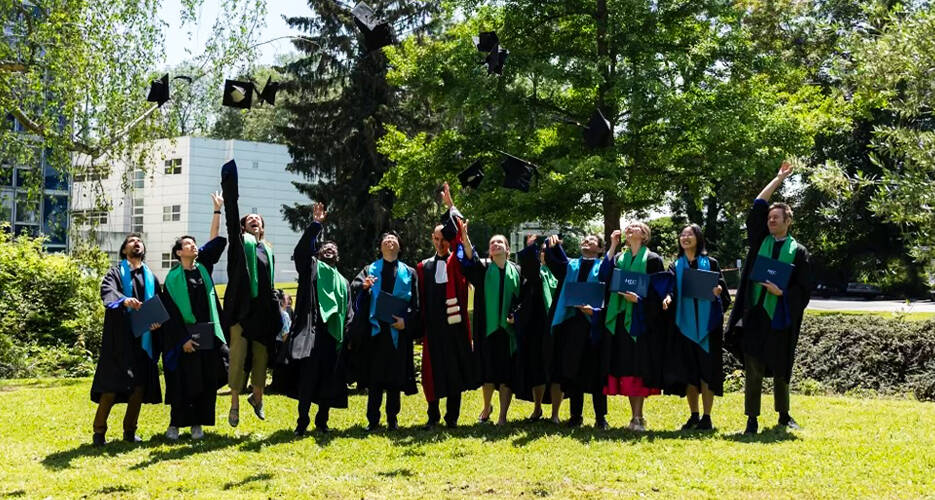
(210, 253)
(112, 289)
(412, 318)
(307, 247)
(557, 262)
(800, 284)
(756, 223)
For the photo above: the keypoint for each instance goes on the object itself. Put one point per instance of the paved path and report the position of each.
(845, 304)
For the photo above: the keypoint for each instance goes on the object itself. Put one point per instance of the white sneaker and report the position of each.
(197, 432)
(172, 433)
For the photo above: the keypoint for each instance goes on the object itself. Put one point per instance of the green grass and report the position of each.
(848, 448)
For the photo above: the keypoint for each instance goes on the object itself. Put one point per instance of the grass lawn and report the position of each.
(848, 448)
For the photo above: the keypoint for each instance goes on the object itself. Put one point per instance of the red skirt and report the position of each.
(628, 386)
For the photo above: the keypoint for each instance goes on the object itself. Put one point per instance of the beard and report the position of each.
(136, 253)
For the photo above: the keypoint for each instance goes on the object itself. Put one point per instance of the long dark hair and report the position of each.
(699, 239)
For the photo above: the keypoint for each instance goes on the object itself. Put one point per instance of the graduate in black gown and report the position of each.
(533, 324)
(384, 351)
(693, 358)
(580, 362)
(250, 306)
(316, 344)
(638, 330)
(192, 372)
(448, 365)
(764, 325)
(126, 369)
(497, 284)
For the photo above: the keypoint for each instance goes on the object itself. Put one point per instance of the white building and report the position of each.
(171, 196)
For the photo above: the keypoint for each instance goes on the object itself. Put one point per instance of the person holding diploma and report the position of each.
(383, 345)
(635, 325)
(693, 358)
(126, 369)
(764, 325)
(193, 367)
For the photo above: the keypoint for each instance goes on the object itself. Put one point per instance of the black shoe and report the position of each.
(574, 422)
(131, 437)
(705, 424)
(429, 425)
(323, 429)
(786, 420)
(373, 427)
(692, 422)
(392, 426)
(98, 439)
(257, 408)
(300, 430)
(601, 424)
(752, 426)
(451, 425)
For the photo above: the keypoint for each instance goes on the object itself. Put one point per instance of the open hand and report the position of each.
(446, 196)
(785, 170)
(318, 212)
(217, 199)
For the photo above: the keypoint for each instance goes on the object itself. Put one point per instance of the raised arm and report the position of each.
(218, 201)
(230, 189)
(784, 171)
(307, 247)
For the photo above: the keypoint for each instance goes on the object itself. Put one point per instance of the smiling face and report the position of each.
(329, 253)
(636, 235)
(253, 224)
(389, 246)
(590, 246)
(498, 246)
(188, 250)
(687, 239)
(778, 222)
(439, 242)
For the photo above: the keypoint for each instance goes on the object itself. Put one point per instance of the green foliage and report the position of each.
(50, 310)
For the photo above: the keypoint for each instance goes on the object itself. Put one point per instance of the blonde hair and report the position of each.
(647, 232)
(506, 242)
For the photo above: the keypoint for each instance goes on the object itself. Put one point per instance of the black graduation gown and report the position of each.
(686, 363)
(492, 352)
(317, 369)
(453, 368)
(191, 388)
(756, 337)
(643, 357)
(378, 363)
(533, 322)
(259, 316)
(580, 362)
(122, 363)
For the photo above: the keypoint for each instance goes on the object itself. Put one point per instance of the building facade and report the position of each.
(170, 196)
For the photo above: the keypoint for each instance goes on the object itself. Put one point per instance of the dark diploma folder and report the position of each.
(772, 270)
(152, 312)
(699, 284)
(202, 334)
(627, 281)
(389, 305)
(584, 293)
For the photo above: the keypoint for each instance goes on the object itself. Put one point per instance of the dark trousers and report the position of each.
(321, 417)
(452, 409)
(375, 399)
(129, 419)
(576, 403)
(755, 370)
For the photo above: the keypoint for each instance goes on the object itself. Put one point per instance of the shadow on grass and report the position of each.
(13, 494)
(264, 476)
(182, 449)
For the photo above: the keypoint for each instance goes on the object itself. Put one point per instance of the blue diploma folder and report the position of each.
(584, 293)
(627, 281)
(203, 335)
(772, 270)
(389, 305)
(699, 284)
(152, 312)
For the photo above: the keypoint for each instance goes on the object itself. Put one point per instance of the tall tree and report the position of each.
(342, 104)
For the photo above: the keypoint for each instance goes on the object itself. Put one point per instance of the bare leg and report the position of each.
(707, 398)
(691, 394)
(538, 394)
(556, 402)
(505, 396)
(487, 392)
(636, 406)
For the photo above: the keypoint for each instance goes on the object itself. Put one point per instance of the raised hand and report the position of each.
(318, 212)
(553, 241)
(530, 239)
(785, 170)
(615, 238)
(369, 281)
(446, 195)
(668, 301)
(217, 199)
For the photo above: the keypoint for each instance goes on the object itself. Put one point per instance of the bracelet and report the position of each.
(217, 212)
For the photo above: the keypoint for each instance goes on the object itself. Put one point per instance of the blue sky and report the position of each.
(275, 27)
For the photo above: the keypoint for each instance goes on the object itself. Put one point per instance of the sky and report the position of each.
(275, 27)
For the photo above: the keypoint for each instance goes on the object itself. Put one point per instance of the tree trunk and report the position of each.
(612, 211)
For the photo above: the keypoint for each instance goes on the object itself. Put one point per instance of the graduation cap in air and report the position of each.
(597, 133)
(377, 33)
(268, 95)
(486, 41)
(238, 94)
(159, 89)
(473, 175)
(517, 173)
(449, 223)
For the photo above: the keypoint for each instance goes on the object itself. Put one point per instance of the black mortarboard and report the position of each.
(377, 33)
(517, 173)
(473, 175)
(269, 91)
(159, 90)
(495, 60)
(238, 94)
(450, 224)
(486, 41)
(598, 134)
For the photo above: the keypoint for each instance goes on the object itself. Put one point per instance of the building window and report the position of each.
(256, 164)
(27, 211)
(90, 217)
(166, 261)
(174, 166)
(6, 206)
(55, 220)
(93, 173)
(172, 213)
(139, 178)
(6, 174)
(136, 224)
